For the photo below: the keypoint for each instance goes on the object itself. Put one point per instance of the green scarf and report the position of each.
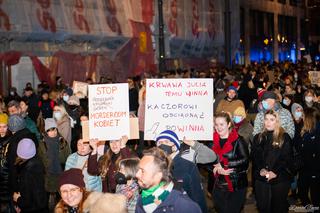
(153, 197)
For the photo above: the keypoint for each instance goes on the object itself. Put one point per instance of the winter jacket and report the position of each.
(63, 151)
(286, 121)
(272, 158)
(133, 100)
(309, 148)
(31, 125)
(33, 109)
(198, 153)
(238, 159)
(229, 106)
(174, 203)
(46, 107)
(12, 154)
(93, 182)
(245, 131)
(30, 184)
(4, 170)
(187, 175)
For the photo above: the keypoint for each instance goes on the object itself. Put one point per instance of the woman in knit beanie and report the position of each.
(54, 151)
(72, 190)
(31, 195)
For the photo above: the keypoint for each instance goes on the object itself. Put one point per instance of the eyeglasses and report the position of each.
(51, 129)
(71, 191)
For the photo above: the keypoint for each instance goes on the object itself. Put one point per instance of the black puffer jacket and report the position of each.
(238, 159)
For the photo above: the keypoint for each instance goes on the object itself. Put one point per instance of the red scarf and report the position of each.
(220, 151)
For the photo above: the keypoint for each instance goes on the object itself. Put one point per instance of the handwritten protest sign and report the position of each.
(314, 77)
(80, 87)
(184, 106)
(108, 111)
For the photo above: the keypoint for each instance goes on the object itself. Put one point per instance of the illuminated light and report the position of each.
(240, 40)
(286, 41)
(271, 39)
(266, 41)
(278, 37)
(161, 56)
(302, 48)
(282, 39)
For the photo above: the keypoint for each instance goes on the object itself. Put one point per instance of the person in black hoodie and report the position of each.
(33, 109)
(46, 105)
(272, 156)
(30, 195)
(309, 148)
(19, 131)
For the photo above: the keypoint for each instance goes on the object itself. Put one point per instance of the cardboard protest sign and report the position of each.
(134, 128)
(80, 87)
(109, 111)
(85, 130)
(184, 106)
(314, 77)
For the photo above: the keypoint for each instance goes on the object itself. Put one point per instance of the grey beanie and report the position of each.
(16, 123)
(294, 107)
(49, 123)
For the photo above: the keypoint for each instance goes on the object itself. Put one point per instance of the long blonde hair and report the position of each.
(277, 139)
(311, 116)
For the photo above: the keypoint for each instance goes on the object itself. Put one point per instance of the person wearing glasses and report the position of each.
(54, 151)
(72, 191)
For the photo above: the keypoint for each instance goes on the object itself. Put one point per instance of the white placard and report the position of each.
(109, 111)
(314, 77)
(184, 106)
(79, 86)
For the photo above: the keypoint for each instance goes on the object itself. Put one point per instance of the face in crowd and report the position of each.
(71, 194)
(222, 126)
(115, 146)
(270, 122)
(83, 148)
(149, 174)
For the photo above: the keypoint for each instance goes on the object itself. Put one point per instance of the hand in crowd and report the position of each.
(218, 169)
(268, 174)
(94, 144)
(188, 142)
(16, 196)
(123, 141)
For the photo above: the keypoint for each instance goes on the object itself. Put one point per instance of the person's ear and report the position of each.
(174, 148)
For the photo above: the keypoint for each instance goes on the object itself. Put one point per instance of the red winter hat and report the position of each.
(72, 176)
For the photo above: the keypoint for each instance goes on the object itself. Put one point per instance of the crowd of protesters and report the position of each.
(266, 136)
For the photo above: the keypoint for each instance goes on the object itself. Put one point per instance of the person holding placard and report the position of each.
(185, 173)
(107, 165)
(80, 160)
(230, 173)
